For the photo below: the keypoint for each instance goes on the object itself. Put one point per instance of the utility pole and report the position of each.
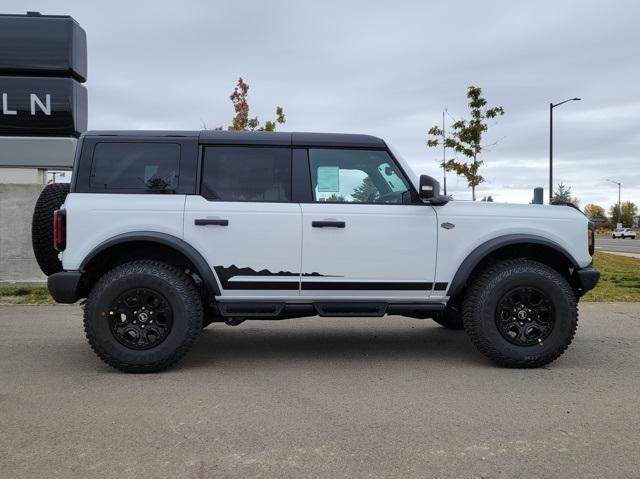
(551, 107)
(550, 152)
(444, 157)
(619, 205)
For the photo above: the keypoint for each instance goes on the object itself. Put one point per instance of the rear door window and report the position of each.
(232, 173)
(135, 166)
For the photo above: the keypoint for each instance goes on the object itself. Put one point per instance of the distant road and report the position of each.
(620, 245)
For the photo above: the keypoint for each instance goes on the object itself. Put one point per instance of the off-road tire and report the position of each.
(481, 300)
(50, 199)
(451, 318)
(180, 292)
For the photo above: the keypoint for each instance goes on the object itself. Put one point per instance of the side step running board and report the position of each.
(352, 309)
(360, 309)
(250, 309)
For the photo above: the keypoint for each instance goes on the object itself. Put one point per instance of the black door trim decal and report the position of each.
(364, 286)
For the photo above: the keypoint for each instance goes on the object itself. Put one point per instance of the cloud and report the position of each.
(384, 68)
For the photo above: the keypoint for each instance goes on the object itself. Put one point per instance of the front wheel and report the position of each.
(143, 316)
(520, 313)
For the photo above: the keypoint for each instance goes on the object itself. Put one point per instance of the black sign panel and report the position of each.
(42, 106)
(42, 45)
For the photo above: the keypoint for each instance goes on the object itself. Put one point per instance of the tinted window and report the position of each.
(246, 174)
(356, 176)
(147, 166)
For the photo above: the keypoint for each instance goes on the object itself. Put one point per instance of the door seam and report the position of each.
(301, 250)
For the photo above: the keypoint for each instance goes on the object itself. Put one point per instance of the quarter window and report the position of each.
(356, 176)
(246, 174)
(141, 166)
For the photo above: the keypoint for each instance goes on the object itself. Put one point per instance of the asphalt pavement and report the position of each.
(313, 397)
(618, 245)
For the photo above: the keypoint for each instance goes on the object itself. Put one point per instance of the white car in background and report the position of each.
(624, 233)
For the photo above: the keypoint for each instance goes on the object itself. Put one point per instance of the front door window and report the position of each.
(356, 176)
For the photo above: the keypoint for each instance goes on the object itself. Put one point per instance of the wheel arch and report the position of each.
(514, 246)
(148, 245)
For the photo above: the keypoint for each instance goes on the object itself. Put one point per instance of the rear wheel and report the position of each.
(143, 316)
(520, 313)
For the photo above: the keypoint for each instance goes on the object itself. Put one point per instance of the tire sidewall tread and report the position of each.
(51, 198)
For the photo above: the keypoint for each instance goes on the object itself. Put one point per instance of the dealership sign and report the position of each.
(35, 44)
(42, 106)
(43, 63)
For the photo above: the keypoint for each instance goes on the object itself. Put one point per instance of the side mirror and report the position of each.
(429, 187)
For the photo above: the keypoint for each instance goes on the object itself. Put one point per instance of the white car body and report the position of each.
(411, 244)
(624, 233)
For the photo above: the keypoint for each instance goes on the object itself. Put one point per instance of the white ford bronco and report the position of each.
(166, 232)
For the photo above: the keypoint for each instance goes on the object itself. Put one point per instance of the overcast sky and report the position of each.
(387, 69)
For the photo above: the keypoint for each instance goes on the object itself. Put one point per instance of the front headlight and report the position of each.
(591, 238)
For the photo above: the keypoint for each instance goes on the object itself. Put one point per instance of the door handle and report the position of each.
(328, 224)
(207, 221)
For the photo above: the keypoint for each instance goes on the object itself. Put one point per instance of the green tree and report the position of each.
(562, 194)
(487, 198)
(241, 120)
(366, 192)
(466, 138)
(628, 216)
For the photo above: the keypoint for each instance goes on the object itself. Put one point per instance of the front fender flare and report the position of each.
(473, 259)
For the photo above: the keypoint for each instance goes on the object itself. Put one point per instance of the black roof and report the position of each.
(143, 133)
(33, 15)
(256, 137)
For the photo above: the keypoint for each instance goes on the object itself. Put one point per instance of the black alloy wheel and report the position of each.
(525, 316)
(140, 318)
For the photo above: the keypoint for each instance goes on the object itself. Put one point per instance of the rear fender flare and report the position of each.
(207, 274)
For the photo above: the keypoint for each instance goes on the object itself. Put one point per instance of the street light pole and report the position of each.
(550, 152)
(444, 157)
(551, 107)
(619, 206)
